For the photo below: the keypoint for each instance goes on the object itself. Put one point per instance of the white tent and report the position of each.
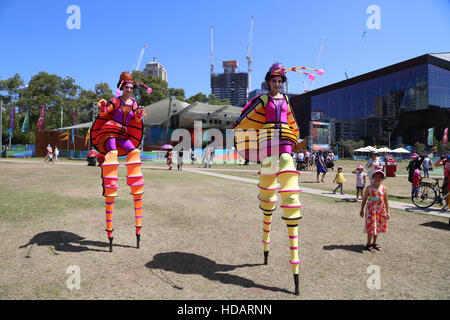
(370, 148)
(361, 150)
(400, 150)
(384, 149)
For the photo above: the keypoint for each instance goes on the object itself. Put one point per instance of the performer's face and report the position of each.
(127, 89)
(275, 84)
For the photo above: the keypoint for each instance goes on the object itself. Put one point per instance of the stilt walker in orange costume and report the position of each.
(117, 131)
(267, 132)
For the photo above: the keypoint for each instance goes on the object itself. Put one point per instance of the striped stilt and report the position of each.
(267, 197)
(135, 179)
(290, 203)
(110, 186)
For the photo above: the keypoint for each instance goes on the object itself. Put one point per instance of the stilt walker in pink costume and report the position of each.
(117, 131)
(267, 132)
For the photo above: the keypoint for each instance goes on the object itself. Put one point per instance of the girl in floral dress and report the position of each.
(377, 212)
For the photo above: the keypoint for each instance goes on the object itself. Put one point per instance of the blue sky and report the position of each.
(35, 37)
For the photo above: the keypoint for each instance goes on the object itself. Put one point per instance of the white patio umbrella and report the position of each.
(400, 150)
(384, 149)
(370, 148)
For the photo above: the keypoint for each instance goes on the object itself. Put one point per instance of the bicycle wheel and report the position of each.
(426, 198)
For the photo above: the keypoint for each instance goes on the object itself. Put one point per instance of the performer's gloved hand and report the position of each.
(140, 113)
(102, 105)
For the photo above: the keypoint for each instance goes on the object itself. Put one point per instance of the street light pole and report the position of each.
(389, 139)
(168, 118)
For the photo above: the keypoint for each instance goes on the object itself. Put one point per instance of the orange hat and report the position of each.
(124, 77)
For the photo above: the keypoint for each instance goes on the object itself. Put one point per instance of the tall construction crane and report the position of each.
(249, 52)
(140, 58)
(358, 53)
(212, 50)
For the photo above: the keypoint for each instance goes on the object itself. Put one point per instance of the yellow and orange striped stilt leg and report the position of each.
(290, 203)
(110, 186)
(135, 179)
(267, 197)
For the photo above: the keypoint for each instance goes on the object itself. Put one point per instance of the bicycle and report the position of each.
(429, 194)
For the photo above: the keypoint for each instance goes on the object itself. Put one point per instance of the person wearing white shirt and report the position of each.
(373, 164)
(300, 159)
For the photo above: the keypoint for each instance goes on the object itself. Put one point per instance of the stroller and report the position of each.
(329, 163)
(301, 165)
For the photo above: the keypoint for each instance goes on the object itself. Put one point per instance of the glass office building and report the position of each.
(372, 104)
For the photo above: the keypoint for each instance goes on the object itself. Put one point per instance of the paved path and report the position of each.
(393, 204)
(210, 172)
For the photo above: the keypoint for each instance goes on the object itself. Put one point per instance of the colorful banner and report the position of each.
(41, 121)
(12, 118)
(430, 136)
(87, 136)
(65, 136)
(26, 122)
(445, 137)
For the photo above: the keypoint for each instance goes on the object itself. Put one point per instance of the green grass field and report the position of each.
(202, 240)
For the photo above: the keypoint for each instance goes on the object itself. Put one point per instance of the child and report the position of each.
(377, 212)
(360, 180)
(416, 184)
(339, 178)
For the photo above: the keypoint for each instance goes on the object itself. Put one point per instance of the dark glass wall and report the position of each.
(439, 86)
(382, 97)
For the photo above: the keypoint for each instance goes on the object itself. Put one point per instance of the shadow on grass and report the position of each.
(189, 263)
(347, 200)
(315, 182)
(65, 241)
(349, 247)
(437, 224)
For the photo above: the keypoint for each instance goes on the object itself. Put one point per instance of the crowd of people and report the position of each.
(306, 160)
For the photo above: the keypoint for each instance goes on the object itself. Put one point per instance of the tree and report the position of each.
(419, 147)
(10, 89)
(213, 100)
(199, 97)
(159, 88)
(177, 93)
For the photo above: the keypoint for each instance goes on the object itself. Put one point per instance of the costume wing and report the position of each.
(246, 128)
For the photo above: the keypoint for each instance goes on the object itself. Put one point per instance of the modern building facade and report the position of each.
(371, 105)
(231, 84)
(156, 69)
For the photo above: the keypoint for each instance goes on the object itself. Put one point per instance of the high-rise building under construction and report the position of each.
(231, 84)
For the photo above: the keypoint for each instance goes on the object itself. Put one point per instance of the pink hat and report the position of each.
(378, 171)
(414, 155)
(360, 167)
(340, 167)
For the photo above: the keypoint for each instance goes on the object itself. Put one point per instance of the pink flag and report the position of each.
(445, 137)
(41, 121)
